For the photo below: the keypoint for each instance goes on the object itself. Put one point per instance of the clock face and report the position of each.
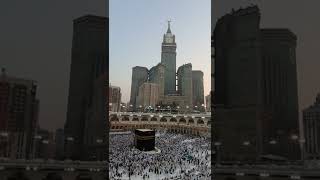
(169, 40)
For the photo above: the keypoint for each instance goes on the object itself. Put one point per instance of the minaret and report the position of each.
(168, 59)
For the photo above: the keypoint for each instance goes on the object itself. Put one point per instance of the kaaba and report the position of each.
(145, 139)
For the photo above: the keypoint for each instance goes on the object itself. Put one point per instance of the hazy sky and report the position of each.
(301, 17)
(35, 43)
(136, 32)
(35, 40)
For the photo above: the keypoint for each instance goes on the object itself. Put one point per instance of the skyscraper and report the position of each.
(280, 93)
(96, 124)
(174, 88)
(311, 122)
(197, 90)
(255, 88)
(208, 102)
(237, 84)
(59, 141)
(168, 59)
(148, 95)
(156, 75)
(185, 82)
(87, 78)
(114, 98)
(139, 76)
(18, 116)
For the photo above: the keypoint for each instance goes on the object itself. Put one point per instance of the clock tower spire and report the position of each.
(169, 30)
(168, 59)
(169, 38)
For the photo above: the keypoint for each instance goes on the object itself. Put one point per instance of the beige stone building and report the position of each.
(208, 103)
(148, 95)
(177, 100)
(114, 98)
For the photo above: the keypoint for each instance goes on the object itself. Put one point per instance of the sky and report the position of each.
(36, 36)
(302, 18)
(35, 43)
(136, 33)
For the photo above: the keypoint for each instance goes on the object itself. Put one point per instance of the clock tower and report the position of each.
(168, 59)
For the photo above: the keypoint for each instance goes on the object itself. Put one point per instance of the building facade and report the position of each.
(59, 144)
(254, 75)
(197, 90)
(44, 145)
(184, 74)
(114, 98)
(311, 123)
(236, 84)
(175, 101)
(96, 133)
(19, 110)
(139, 76)
(280, 92)
(208, 103)
(88, 71)
(156, 75)
(168, 59)
(148, 95)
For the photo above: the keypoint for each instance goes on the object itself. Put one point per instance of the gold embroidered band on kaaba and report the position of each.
(144, 137)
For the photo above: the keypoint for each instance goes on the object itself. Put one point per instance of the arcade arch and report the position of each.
(173, 120)
(114, 118)
(163, 119)
(182, 120)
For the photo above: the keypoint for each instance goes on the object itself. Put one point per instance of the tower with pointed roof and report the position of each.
(168, 59)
